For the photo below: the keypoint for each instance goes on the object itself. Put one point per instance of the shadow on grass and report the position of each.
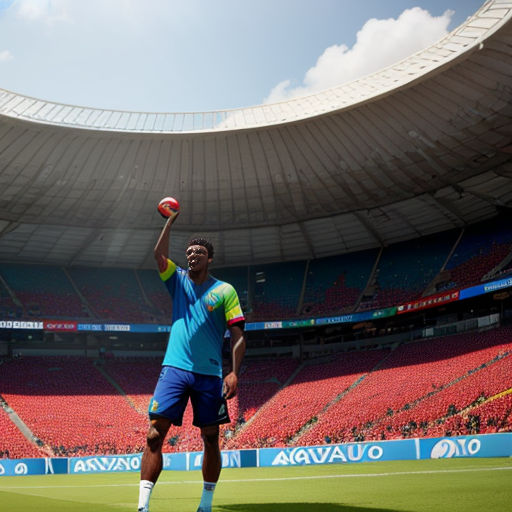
(298, 507)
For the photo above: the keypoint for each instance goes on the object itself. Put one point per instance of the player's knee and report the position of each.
(154, 439)
(210, 435)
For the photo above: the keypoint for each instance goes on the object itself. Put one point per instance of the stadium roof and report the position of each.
(419, 147)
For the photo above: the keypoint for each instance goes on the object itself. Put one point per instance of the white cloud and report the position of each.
(379, 43)
(97, 13)
(5, 55)
(35, 10)
(279, 92)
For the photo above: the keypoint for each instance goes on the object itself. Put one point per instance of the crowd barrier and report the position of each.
(485, 445)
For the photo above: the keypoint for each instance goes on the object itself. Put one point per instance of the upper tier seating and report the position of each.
(44, 291)
(113, 293)
(157, 294)
(334, 284)
(8, 308)
(406, 269)
(481, 248)
(277, 289)
(331, 285)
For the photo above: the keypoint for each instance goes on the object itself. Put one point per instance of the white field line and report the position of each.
(282, 479)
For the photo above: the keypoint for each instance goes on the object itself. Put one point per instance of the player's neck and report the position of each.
(198, 277)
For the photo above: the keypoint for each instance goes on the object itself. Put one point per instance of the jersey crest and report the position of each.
(213, 300)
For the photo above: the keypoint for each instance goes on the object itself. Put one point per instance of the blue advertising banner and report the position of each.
(13, 467)
(489, 445)
(230, 459)
(56, 466)
(339, 453)
(175, 461)
(334, 320)
(89, 327)
(104, 464)
(149, 328)
(479, 289)
(123, 328)
(119, 463)
(260, 326)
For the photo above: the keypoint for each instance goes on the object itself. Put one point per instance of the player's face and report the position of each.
(197, 257)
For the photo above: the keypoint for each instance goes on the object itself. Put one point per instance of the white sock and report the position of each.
(145, 488)
(207, 497)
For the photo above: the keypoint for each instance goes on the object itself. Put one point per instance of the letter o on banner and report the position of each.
(20, 469)
(474, 446)
(375, 452)
(2, 470)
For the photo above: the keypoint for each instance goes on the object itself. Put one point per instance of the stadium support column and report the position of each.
(250, 289)
(300, 304)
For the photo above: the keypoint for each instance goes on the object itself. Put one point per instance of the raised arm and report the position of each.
(161, 250)
(237, 355)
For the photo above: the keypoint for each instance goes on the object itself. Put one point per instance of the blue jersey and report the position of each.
(200, 315)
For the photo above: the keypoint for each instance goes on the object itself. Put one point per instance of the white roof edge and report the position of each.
(465, 39)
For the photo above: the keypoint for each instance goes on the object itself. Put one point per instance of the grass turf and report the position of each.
(465, 485)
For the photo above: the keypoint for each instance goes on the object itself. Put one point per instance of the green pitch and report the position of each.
(452, 485)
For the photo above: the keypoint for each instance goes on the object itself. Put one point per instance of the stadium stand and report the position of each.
(408, 376)
(334, 284)
(426, 415)
(43, 290)
(446, 386)
(8, 308)
(298, 404)
(156, 293)
(136, 378)
(69, 405)
(260, 380)
(113, 293)
(277, 288)
(405, 270)
(482, 247)
(14, 445)
(494, 415)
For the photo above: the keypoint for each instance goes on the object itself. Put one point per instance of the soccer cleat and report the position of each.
(142, 509)
(201, 509)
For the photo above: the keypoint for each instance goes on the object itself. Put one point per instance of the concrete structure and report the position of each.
(419, 147)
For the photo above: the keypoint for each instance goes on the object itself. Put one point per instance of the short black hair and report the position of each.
(203, 242)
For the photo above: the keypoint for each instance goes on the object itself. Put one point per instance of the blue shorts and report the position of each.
(176, 386)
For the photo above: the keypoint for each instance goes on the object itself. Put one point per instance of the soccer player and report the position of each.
(203, 307)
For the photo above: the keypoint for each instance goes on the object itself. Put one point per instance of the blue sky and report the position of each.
(199, 55)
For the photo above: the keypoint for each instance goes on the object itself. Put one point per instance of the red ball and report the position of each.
(167, 206)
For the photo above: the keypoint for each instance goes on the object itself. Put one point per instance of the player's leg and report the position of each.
(211, 457)
(151, 464)
(210, 410)
(211, 465)
(152, 461)
(165, 409)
